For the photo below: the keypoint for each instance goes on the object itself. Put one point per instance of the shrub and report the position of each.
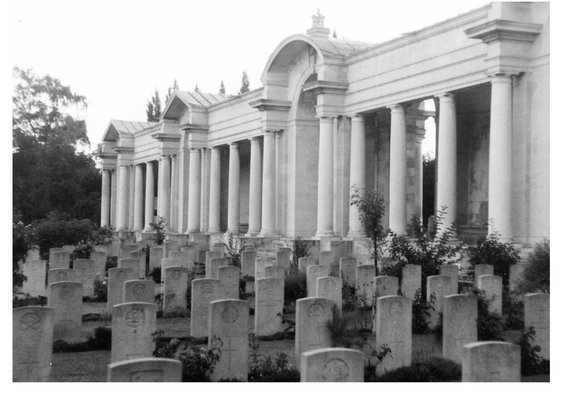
(536, 276)
(295, 287)
(111, 263)
(54, 232)
(265, 369)
(156, 274)
(159, 230)
(100, 291)
(23, 237)
(434, 369)
(299, 249)
(29, 301)
(531, 362)
(100, 341)
(492, 251)
(512, 311)
(420, 313)
(234, 249)
(346, 331)
(489, 325)
(82, 250)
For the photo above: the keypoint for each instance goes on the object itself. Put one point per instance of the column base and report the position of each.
(267, 234)
(325, 236)
(252, 234)
(355, 234)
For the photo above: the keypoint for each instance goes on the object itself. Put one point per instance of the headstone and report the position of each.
(385, 286)
(58, 275)
(175, 289)
(218, 247)
(145, 370)
(515, 275)
(191, 253)
(436, 288)
(314, 272)
(32, 341)
(69, 247)
(536, 314)
(490, 361)
(212, 254)
(155, 256)
(142, 257)
(181, 258)
(311, 331)
(131, 263)
(99, 259)
(229, 323)
(459, 325)
(65, 298)
(269, 306)
(116, 279)
(411, 280)
(204, 291)
(364, 284)
(393, 327)
(85, 272)
(332, 365)
(330, 287)
(283, 257)
(126, 251)
(132, 326)
(136, 291)
(60, 260)
(347, 270)
(114, 248)
(305, 262)
(326, 258)
(52, 251)
(274, 272)
(212, 268)
(36, 273)
(492, 286)
(260, 266)
(230, 281)
(452, 271)
(483, 269)
(100, 248)
(248, 259)
(32, 254)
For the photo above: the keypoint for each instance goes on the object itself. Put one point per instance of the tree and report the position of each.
(245, 83)
(154, 108)
(222, 88)
(196, 88)
(170, 91)
(51, 175)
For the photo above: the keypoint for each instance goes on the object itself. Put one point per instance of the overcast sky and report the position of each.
(117, 53)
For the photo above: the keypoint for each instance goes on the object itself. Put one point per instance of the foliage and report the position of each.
(531, 361)
(428, 186)
(371, 208)
(23, 238)
(156, 274)
(29, 301)
(234, 248)
(512, 311)
(489, 324)
(434, 369)
(100, 341)
(82, 250)
(376, 355)
(427, 250)
(154, 108)
(491, 250)
(160, 230)
(100, 290)
(245, 86)
(50, 174)
(171, 91)
(111, 262)
(347, 330)
(267, 369)
(295, 287)
(536, 276)
(222, 89)
(299, 249)
(421, 312)
(54, 231)
(197, 362)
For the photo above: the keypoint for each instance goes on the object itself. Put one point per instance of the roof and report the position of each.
(119, 127)
(196, 98)
(339, 46)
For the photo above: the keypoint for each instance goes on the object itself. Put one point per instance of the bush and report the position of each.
(420, 313)
(536, 276)
(234, 250)
(111, 263)
(531, 362)
(434, 369)
(159, 230)
(156, 274)
(299, 249)
(295, 287)
(54, 232)
(512, 311)
(266, 369)
(29, 301)
(100, 341)
(492, 251)
(100, 291)
(489, 325)
(82, 250)
(23, 237)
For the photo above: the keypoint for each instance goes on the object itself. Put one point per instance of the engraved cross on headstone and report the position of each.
(28, 364)
(229, 350)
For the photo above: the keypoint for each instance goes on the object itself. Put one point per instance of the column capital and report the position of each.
(233, 145)
(271, 131)
(500, 77)
(356, 117)
(445, 96)
(255, 139)
(396, 108)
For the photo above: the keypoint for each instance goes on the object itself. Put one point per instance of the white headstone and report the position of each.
(145, 370)
(100, 248)
(274, 272)
(230, 281)
(515, 274)
(116, 280)
(131, 263)
(385, 286)
(32, 343)
(229, 323)
(85, 272)
(65, 298)
(204, 291)
(260, 266)
(155, 256)
(305, 262)
(36, 273)
(459, 325)
(393, 327)
(142, 257)
(269, 306)
(364, 284)
(492, 286)
(411, 280)
(326, 258)
(248, 259)
(99, 259)
(437, 287)
(311, 331)
(58, 275)
(482, 269)
(132, 326)
(181, 258)
(348, 266)
(283, 257)
(60, 260)
(332, 365)
(452, 271)
(330, 287)
(175, 289)
(536, 314)
(314, 272)
(138, 291)
(490, 361)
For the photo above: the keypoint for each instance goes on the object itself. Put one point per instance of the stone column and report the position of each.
(269, 186)
(357, 172)
(324, 190)
(122, 183)
(215, 191)
(255, 189)
(234, 188)
(104, 221)
(277, 192)
(113, 201)
(149, 196)
(138, 215)
(131, 197)
(447, 160)
(500, 157)
(398, 171)
(164, 188)
(194, 191)
(418, 138)
(173, 193)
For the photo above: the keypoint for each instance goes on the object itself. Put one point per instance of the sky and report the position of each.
(117, 53)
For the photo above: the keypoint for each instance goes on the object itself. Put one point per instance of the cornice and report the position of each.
(264, 104)
(324, 87)
(505, 30)
(166, 137)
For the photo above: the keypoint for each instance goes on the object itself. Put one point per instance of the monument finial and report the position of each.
(318, 20)
(319, 29)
